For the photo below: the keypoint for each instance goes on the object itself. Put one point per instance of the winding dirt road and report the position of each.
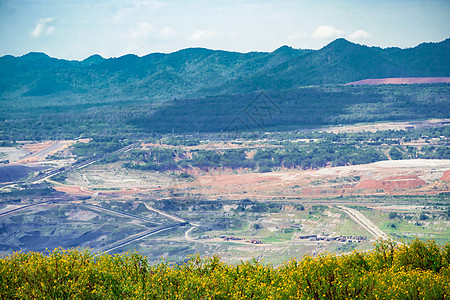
(187, 236)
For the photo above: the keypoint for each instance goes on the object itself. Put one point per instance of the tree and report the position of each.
(395, 153)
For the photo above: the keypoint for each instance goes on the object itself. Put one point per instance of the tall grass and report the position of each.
(418, 270)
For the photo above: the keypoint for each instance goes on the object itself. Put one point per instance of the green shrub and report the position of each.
(419, 270)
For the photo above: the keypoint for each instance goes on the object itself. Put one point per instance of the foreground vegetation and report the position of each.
(419, 270)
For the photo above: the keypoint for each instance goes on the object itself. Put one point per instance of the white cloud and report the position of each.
(202, 35)
(142, 30)
(146, 30)
(323, 32)
(43, 28)
(136, 9)
(167, 32)
(297, 36)
(150, 4)
(358, 34)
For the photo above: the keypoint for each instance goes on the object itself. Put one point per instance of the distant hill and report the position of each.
(204, 72)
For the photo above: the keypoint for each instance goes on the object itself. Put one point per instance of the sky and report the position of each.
(76, 29)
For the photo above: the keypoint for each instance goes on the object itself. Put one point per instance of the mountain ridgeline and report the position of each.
(197, 90)
(200, 72)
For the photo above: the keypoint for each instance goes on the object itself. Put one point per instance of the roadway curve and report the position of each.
(76, 166)
(146, 233)
(137, 237)
(187, 236)
(127, 240)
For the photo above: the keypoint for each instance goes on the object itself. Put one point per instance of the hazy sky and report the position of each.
(76, 29)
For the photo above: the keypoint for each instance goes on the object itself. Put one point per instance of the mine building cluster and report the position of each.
(234, 238)
(340, 238)
(203, 237)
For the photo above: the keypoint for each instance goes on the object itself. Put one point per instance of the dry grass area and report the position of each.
(36, 147)
(114, 180)
(39, 151)
(388, 126)
(30, 152)
(12, 154)
(214, 145)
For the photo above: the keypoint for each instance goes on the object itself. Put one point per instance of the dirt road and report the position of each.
(8, 212)
(187, 236)
(364, 222)
(165, 214)
(121, 214)
(41, 154)
(135, 238)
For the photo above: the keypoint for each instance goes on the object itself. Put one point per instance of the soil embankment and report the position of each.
(13, 173)
(446, 176)
(392, 183)
(401, 80)
(403, 177)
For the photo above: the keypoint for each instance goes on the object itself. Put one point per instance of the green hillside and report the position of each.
(299, 108)
(50, 117)
(198, 71)
(205, 90)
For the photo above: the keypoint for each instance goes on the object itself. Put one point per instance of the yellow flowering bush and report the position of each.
(418, 270)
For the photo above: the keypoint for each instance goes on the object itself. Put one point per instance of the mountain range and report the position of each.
(197, 72)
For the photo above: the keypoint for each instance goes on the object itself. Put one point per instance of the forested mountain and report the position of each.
(201, 72)
(342, 61)
(198, 89)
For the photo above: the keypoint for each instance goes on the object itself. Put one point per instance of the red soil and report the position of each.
(73, 190)
(404, 80)
(80, 191)
(389, 178)
(236, 179)
(446, 176)
(392, 183)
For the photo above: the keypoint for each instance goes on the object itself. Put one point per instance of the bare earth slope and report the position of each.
(403, 177)
(401, 80)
